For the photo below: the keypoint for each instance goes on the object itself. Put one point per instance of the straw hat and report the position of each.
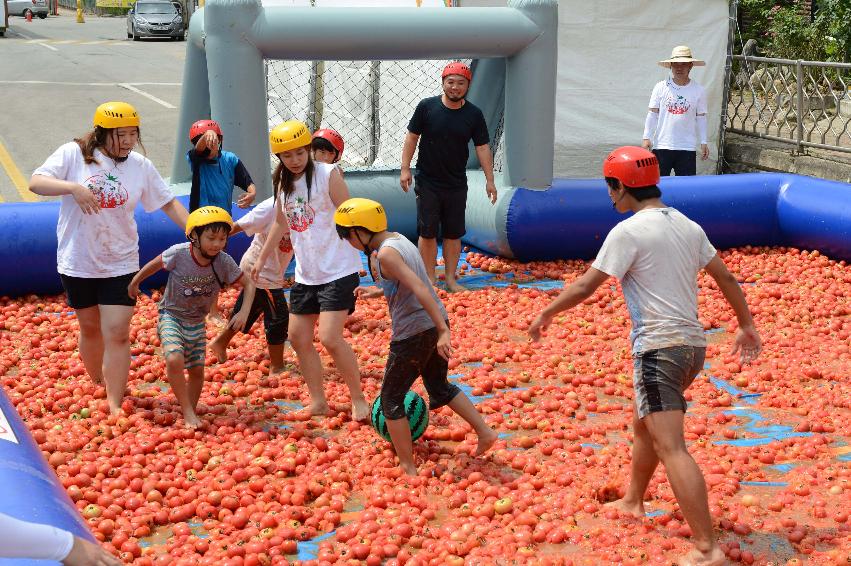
(681, 54)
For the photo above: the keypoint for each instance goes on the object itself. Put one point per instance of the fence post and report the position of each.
(799, 137)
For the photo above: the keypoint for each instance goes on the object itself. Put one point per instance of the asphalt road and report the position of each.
(55, 72)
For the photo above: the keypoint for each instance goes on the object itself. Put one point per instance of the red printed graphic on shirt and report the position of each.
(107, 189)
(678, 105)
(300, 214)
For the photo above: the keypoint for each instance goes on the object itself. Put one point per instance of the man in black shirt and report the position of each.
(446, 125)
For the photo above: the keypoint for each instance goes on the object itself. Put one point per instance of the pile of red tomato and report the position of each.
(262, 483)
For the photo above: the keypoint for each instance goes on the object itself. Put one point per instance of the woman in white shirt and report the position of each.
(308, 193)
(100, 179)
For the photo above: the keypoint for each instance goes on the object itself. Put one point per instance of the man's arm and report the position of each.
(410, 145)
(577, 292)
(483, 152)
(747, 338)
(650, 123)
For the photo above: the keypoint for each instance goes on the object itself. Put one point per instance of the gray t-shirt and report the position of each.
(191, 287)
(406, 313)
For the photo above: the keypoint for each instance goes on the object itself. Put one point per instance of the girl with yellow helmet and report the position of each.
(327, 268)
(100, 180)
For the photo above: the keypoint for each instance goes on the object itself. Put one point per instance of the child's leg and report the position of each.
(441, 392)
(174, 366)
(215, 314)
(276, 316)
(403, 367)
(331, 335)
(196, 384)
(219, 344)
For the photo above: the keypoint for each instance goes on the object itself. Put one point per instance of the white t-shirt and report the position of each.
(678, 109)
(657, 254)
(321, 256)
(257, 223)
(104, 244)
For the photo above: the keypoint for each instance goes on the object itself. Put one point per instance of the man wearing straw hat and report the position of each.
(676, 117)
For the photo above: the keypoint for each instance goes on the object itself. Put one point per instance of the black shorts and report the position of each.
(85, 292)
(409, 359)
(272, 304)
(337, 295)
(440, 211)
(682, 162)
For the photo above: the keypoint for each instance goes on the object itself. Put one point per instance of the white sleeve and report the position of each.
(20, 539)
(260, 218)
(155, 193)
(701, 127)
(650, 124)
(59, 163)
(656, 95)
(617, 254)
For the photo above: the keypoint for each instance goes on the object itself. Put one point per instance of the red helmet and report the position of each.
(333, 137)
(633, 166)
(201, 126)
(457, 68)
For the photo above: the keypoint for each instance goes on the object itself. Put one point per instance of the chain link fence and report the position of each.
(368, 102)
(807, 103)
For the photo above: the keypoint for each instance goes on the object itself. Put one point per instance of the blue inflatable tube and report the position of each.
(29, 244)
(29, 489)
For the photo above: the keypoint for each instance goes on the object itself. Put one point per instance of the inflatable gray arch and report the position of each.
(515, 77)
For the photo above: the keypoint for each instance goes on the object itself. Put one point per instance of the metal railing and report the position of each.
(806, 103)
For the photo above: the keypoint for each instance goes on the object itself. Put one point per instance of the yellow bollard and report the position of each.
(80, 19)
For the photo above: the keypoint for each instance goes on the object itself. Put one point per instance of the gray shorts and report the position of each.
(661, 376)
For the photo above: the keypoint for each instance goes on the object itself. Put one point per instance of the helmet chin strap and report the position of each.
(367, 251)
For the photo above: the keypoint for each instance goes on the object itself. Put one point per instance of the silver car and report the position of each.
(21, 7)
(155, 19)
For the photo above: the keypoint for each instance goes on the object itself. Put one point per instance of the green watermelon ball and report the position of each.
(415, 409)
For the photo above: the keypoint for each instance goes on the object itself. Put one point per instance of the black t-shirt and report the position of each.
(444, 135)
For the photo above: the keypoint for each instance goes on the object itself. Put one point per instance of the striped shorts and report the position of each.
(180, 337)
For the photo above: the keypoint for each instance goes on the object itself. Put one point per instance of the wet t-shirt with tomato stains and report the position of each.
(104, 244)
(321, 256)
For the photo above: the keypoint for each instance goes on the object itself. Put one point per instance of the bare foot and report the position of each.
(486, 441)
(633, 509)
(219, 350)
(454, 287)
(319, 409)
(360, 410)
(192, 420)
(409, 469)
(116, 412)
(713, 557)
(276, 369)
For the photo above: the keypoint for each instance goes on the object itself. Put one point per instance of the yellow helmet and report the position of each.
(116, 115)
(207, 215)
(289, 135)
(361, 213)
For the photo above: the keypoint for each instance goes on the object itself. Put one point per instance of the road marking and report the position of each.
(15, 175)
(130, 87)
(16, 32)
(47, 46)
(64, 83)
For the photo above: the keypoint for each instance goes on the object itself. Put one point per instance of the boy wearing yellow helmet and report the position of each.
(198, 270)
(326, 273)
(100, 180)
(420, 344)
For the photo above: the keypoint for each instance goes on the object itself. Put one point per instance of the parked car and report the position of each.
(21, 7)
(155, 19)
